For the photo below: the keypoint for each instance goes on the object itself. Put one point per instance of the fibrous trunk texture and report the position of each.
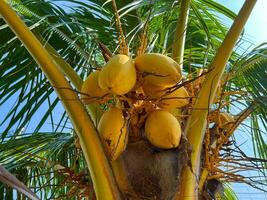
(153, 174)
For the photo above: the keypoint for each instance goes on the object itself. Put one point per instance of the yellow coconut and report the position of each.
(113, 132)
(153, 91)
(90, 90)
(118, 76)
(163, 129)
(176, 112)
(225, 118)
(177, 99)
(158, 69)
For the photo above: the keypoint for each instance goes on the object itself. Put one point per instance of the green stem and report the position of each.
(196, 125)
(180, 34)
(104, 183)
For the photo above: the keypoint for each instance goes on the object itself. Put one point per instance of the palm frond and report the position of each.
(49, 161)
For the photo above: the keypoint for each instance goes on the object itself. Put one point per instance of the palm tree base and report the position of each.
(152, 173)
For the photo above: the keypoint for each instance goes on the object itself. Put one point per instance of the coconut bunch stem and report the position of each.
(122, 41)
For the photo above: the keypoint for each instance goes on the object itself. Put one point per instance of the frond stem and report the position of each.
(104, 183)
(196, 125)
(180, 34)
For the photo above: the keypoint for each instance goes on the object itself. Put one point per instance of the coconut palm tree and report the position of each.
(49, 139)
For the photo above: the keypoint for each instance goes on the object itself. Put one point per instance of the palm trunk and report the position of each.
(150, 173)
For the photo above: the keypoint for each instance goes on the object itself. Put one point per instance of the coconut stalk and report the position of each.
(180, 34)
(196, 125)
(103, 180)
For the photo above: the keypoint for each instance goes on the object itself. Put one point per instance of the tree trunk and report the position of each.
(152, 173)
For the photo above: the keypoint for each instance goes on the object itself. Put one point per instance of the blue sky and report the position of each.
(256, 27)
(256, 32)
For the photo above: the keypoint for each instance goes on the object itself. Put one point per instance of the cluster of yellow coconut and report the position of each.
(148, 84)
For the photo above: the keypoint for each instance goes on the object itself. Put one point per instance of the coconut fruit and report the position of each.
(158, 69)
(153, 91)
(91, 92)
(113, 132)
(225, 119)
(177, 113)
(177, 99)
(118, 76)
(163, 129)
(221, 119)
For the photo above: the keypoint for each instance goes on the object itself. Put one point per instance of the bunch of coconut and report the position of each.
(148, 91)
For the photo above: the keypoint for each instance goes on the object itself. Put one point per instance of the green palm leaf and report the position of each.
(71, 29)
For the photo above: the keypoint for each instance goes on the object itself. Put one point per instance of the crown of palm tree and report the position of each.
(38, 141)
